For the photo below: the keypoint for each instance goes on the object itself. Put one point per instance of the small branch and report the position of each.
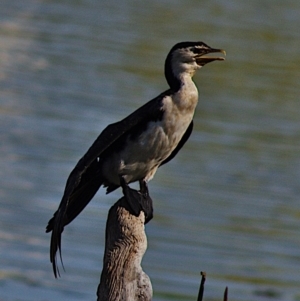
(226, 294)
(201, 289)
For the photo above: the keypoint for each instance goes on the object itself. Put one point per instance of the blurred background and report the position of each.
(228, 204)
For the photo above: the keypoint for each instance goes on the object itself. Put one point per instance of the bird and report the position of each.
(131, 150)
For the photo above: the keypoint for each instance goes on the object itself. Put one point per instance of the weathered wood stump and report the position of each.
(122, 277)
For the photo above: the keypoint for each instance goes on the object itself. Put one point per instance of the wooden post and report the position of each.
(122, 277)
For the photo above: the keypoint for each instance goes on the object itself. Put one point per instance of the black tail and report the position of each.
(69, 208)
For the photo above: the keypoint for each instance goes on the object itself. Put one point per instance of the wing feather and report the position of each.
(85, 179)
(109, 135)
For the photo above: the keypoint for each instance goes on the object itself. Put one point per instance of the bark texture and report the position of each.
(122, 277)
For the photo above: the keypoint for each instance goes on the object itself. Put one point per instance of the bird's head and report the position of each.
(186, 57)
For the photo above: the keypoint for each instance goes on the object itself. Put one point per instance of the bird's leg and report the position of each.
(144, 188)
(132, 196)
(138, 200)
(147, 203)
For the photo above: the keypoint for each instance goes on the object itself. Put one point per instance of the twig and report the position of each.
(201, 289)
(226, 294)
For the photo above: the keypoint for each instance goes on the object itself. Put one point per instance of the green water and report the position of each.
(228, 204)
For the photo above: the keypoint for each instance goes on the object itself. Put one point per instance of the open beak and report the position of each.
(203, 59)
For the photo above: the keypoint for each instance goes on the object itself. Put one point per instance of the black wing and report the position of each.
(181, 143)
(85, 180)
(149, 111)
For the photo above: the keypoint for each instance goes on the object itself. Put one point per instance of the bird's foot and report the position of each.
(138, 200)
(147, 207)
(147, 203)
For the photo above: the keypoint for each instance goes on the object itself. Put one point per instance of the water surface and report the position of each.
(228, 204)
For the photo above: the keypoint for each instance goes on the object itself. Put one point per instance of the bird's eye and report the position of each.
(196, 50)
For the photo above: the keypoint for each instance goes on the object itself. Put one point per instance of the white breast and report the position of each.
(141, 158)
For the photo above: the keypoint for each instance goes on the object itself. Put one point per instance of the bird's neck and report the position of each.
(186, 97)
(177, 76)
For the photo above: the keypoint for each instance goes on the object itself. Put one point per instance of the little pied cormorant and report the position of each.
(132, 149)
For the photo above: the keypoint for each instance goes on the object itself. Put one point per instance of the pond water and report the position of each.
(228, 204)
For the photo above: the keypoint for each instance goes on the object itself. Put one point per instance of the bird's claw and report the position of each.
(138, 200)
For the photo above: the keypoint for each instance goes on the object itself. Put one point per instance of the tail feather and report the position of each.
(68, 209)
